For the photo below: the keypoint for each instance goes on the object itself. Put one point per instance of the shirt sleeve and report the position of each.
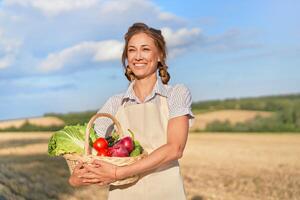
(180, 103)
(103, 125)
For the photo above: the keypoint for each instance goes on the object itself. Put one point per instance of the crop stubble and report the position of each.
(214, 166)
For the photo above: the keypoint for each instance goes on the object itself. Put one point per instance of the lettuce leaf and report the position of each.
(69, 140)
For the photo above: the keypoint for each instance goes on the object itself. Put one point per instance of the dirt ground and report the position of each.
(214, 166)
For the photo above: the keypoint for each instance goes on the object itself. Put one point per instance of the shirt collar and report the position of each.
(159, 88)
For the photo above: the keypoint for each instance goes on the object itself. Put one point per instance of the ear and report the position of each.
(158, 60)
(160, 56)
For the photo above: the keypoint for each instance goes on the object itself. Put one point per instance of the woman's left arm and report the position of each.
(177, 133)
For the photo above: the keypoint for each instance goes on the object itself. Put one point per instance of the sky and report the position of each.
(65, 55)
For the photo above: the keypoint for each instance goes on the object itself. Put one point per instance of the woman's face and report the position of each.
(142, 55)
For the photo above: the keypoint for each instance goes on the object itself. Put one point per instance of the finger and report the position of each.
(87, 183)
(81, 171)
(103, 163)
(97, 162)
(91, 180)
(95, 170)
(88, 175)
(79, 165)
(102, 184)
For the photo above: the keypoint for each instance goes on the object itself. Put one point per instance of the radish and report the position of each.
(118, 151)
(127, 143)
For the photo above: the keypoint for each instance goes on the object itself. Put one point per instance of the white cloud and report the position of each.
(6, 61)
(53, 7)
(143, 10)
(109, 50)
(180, 40)
(102, 20)
(68, 23)
(181, 37)
(231, 40)
(8, 45)
(96, 51)
(8, 48)
(167, 16)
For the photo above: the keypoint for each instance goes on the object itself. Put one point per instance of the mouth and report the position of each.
(140, 64)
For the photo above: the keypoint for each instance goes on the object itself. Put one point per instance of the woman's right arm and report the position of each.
(102, 127)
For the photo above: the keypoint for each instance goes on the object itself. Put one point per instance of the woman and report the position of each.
(157, 113)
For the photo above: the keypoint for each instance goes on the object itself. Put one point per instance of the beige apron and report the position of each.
(149, 123)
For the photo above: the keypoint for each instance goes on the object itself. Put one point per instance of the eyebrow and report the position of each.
(144, 45)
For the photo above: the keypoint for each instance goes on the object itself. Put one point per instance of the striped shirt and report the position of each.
(179, 100)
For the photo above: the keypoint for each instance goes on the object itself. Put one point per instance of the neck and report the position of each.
(143, 87)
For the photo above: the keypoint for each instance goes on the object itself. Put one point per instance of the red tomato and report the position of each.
(100, 143)
(103, 152)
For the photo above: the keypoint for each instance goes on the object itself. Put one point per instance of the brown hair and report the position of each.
(159, 43)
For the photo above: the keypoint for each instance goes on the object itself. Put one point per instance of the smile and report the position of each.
(140, 64)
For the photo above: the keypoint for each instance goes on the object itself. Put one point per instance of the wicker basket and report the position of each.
(72, 159)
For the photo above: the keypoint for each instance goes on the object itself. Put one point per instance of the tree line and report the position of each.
(286, 118)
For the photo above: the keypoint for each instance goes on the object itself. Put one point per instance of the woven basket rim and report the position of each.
(119, 130)
(80, 156)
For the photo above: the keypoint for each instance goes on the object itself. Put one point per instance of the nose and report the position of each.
(138, 55)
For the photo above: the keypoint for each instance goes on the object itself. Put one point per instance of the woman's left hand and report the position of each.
(103, 171)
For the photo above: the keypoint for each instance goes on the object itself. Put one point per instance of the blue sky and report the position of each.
(64, 55)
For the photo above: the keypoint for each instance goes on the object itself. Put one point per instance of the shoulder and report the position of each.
(180, 102)
(177, 92)
(116, 99)
(111, 104)
(179, 99)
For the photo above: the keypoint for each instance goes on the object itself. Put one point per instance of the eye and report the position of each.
(146, 49)
(131, 50)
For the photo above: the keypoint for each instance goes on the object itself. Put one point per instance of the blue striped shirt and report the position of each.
(179, 100)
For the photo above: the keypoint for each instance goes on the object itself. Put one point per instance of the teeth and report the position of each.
(140, 65)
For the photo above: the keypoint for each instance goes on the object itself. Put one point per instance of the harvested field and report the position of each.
(214, 166)
(233, 116)
(38, 121)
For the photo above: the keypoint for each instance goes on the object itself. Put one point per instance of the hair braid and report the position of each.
(129, 74)
(163, 72)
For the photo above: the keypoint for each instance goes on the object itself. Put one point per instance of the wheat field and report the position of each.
(201, 120)
(214, 166)
(38, 121)
(232, 116)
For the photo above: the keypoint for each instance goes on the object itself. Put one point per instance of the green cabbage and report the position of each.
(69, 140)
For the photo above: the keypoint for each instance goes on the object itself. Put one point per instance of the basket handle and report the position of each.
(119, 131)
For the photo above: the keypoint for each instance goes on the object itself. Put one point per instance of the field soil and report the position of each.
(214, 166)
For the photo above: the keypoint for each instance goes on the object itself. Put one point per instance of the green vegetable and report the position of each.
(138, 149)
(131, 133)
(69, 140)
(135, 152)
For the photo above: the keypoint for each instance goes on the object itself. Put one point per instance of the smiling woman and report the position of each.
(158, 114)
(142, 56)
(144, 48)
